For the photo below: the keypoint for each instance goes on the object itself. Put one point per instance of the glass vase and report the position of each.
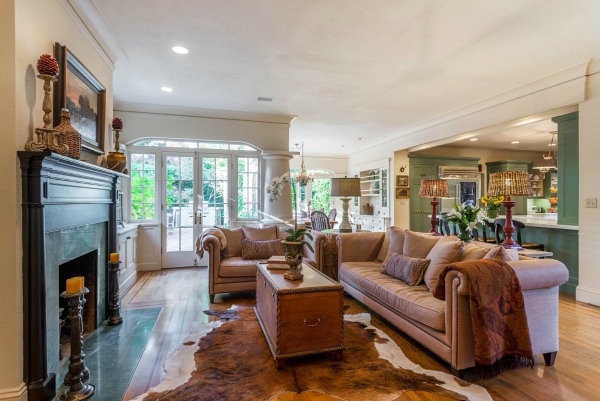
(492, 213)
(465, 234)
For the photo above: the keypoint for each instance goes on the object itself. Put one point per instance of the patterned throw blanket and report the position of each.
(211, 231)
(500, 331)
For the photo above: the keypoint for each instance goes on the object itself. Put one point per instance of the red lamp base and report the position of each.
(509, 228)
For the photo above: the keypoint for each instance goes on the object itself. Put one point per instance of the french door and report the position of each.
(195, 197)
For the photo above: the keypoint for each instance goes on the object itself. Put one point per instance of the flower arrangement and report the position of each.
(275, 190)
(492, 202)
(467, 217)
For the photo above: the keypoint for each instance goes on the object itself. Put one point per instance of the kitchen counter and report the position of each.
(542, 220)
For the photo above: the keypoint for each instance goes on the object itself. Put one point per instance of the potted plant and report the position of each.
(294, 242)
(492, 204)
(466, 217)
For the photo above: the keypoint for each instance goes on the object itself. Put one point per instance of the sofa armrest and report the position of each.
(212, 245)
(318, 245)
(359, 247)
(540, 273)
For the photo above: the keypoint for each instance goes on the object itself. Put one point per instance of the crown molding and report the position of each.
(86, 16)
(148, 108)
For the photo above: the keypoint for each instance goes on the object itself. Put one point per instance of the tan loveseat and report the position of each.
(228, 271)
(444, 327)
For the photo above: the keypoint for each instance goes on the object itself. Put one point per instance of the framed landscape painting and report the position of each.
(80, 92)
(402, 181)
(402, 193)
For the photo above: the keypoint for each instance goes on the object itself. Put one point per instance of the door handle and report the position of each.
(197, 217)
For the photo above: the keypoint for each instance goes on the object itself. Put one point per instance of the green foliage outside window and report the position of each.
(321, 198)
(143, 178)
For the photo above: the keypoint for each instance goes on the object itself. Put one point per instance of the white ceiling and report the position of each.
(347, 69)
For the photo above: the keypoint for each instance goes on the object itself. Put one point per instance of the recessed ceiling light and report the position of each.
(166, 89)
(514, 142)
(264, 99)
(473, 139)
(180, 50)
(551, 144)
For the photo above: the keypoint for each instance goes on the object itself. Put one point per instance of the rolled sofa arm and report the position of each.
(212, 245)
(318, 245)
(540, 273)
(359, 247)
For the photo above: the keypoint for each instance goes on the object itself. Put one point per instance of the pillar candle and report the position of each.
(75, 284)
(114, 258)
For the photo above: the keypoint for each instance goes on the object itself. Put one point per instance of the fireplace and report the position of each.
(69, 229)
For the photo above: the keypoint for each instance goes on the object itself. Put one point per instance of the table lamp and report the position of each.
(507, 184)
(346, 188)
(434, 188)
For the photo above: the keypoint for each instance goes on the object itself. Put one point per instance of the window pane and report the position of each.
(142, 186)
(242, 165)
(182, 144)
(253, 165)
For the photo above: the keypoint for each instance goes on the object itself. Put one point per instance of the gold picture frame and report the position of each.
(402, 193)
(402, 181)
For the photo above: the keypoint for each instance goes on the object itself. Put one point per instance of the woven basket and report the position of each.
(68, 135)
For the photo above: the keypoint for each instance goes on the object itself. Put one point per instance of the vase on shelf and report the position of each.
(293, 257)
(492, 213)
(465, 234)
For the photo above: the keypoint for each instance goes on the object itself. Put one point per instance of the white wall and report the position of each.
(28, 29)
(589, 165)
(337, 164)
(262, 134)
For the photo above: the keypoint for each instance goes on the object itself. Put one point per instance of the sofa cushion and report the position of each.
(498, 252)
(261, 249)
(410, 270)
(234, 242)
(260, 233)
(445, 251)
(473, 252)
(395, 243)
(418, 245)
(416, 302)
(237, 267)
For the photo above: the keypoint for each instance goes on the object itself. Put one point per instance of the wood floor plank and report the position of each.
(183, 295)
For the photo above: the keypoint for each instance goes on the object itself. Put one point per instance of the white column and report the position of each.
(280, 210)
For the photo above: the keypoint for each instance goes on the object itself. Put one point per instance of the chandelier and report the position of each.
(303, 178)
(547, 162)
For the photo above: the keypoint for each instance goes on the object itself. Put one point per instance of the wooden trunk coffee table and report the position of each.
(301, 317)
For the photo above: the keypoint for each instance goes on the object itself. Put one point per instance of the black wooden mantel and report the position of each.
(58, 192)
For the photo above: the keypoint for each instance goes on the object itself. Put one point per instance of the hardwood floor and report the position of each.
(183, 295)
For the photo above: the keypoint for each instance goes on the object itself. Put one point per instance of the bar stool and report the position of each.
(519, 226)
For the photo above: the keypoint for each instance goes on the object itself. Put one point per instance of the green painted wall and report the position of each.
(568, 168)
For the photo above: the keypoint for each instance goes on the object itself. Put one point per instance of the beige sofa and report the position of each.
(228, 271)
(444, 327)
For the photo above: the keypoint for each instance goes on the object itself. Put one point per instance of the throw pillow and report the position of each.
(410, 270)
(395, 244)
(473, 252)
(498, 252)
(261, 249)
(260, 233)
(445, 251)
(418, 245)
(234, 245)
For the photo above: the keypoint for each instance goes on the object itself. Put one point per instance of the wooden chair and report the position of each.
(446, 228)
(332, 215)
(319, 221)
(519, 226)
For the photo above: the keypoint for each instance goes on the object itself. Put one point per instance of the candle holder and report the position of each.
(114, 305)
(78, 373)
(46, 137)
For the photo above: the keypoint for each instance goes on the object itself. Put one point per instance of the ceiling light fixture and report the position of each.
(180, 49)
(473, 139)
(166, 89)
(547, 162)
(264, 99)
(303, 178)
(514, 142)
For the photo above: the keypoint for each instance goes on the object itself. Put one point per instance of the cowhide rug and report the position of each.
(233, 362)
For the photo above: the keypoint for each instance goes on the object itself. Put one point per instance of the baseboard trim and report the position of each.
(587, 295)
(147, 267)
(14, 394)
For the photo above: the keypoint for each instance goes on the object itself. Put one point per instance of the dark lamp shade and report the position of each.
(510, 183)
(544, 163)
(345, 187)
(433, 188)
